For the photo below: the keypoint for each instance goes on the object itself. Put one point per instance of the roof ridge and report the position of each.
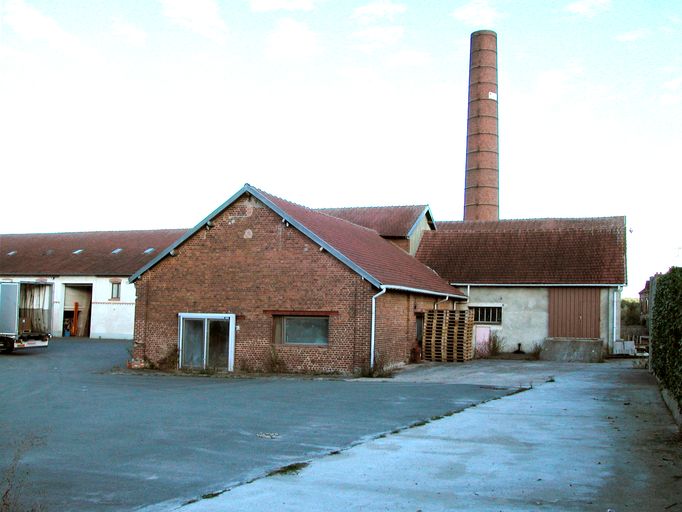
(422, 206)
(316, 211)
(531, 219)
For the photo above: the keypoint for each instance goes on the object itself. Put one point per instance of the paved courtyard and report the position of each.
(586, 437)
(117, 440)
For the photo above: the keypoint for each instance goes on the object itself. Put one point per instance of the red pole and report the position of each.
(74, 325)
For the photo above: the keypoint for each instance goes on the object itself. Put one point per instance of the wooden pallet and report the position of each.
(448, 336)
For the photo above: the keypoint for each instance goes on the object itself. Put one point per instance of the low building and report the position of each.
(529, 280)
(265, 284)
(87, 276)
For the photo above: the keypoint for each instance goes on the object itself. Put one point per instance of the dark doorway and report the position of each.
(77, 310)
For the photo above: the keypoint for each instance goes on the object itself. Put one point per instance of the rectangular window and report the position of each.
(487, 314)
(115, 290)
(306, 330)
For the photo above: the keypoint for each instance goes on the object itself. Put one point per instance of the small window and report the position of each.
(149, 250)
(487, 314)
(305, 330)
(78, 251)
(116, 251)
(116, 290)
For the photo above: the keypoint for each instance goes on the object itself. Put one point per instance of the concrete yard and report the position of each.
(119, 440)
(595, 437)
(435, 437)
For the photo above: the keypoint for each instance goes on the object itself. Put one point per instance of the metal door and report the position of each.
(9, 308)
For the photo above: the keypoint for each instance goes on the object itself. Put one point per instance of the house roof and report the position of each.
(86, 253)
(589, 251)
(388, 221)
(362, 249)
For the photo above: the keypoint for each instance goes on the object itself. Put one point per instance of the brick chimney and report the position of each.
(481, 192)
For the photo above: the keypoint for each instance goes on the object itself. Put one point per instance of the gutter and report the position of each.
(374, 326)
(539, 285)
(383, 289)
(421, 291)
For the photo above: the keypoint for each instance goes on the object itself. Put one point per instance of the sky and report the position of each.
(145, 114)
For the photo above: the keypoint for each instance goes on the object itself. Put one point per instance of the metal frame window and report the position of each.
(301, 330)
(487, 314)
(206, 340)
(115, 290)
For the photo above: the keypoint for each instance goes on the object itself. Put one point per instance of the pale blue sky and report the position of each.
(149, 114)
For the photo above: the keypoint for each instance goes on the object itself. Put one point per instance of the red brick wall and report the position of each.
(396, 330)
(250, 262)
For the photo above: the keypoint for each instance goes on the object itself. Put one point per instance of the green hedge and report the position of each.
(666, 331)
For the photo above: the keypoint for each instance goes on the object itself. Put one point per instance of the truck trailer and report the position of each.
(25, 315)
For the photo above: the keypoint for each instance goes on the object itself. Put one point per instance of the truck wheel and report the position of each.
(7, 345)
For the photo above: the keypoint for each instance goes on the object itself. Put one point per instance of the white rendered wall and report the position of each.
(525, 317)
(109, 318)
(525, 314)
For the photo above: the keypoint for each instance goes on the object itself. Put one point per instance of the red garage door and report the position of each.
(574, 312)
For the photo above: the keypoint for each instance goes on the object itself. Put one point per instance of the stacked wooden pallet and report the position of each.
(448, 336)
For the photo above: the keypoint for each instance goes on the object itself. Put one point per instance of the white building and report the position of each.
(535, 279)
(85, 275)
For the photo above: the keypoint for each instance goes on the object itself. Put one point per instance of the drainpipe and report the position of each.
(374, 325)
(435, 306)
(615, 311)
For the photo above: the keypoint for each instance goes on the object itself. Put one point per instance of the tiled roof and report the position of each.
(77, 254)
(534, 251)
(378, 257)
(388, 221)
(360, 248)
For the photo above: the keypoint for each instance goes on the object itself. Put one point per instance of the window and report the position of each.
(206, 340)
(115, 290)
(306, 330)
(487, 314)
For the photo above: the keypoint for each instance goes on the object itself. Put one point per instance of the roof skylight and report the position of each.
(11, 253)
(116, 251)
(149, 250)
(78, 251)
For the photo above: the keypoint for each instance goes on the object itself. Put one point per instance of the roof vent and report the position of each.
(78, 251)
(116, 251)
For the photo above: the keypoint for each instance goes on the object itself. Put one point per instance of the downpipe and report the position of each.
(374, 326)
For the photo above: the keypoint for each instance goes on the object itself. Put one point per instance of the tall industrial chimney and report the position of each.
(481, 192)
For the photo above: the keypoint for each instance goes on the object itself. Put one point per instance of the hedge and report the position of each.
(666, 331)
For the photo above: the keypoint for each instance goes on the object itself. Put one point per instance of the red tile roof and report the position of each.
(362, 249)
(388, 221)
(53, 254)
(390, 265)
(535, 251)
